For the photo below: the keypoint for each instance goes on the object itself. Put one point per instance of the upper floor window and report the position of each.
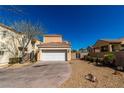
(4, 34)
(3, 46)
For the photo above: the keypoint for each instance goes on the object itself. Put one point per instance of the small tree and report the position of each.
(73, 50)
(28, 31)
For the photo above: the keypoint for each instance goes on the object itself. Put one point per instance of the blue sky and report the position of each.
(81, 25)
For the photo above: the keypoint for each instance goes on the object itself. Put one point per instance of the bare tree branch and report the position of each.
(28, 32)
(12, 9)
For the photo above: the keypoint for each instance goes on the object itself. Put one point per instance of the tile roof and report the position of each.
(55, 45)
(112, 41)
(7, 27)
(108, 41)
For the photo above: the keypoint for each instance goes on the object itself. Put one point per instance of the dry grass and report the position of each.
(104, 75)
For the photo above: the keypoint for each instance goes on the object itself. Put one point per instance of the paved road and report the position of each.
(42, 74)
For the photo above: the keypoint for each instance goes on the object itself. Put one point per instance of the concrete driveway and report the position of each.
(41, 74)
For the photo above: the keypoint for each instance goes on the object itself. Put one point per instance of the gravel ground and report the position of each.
(103, 74)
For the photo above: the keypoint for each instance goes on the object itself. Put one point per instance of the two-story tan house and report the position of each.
(54, 48)
(10, 44)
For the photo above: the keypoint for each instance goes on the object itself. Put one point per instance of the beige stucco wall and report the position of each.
(67, 49)
(122, 42)
(11, 45)
(12, 41)
(47, 39)
(69, 55)
(97, 50)
(83, 54)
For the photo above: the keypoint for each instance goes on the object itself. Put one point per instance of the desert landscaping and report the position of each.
(61, 46)
(105, 76)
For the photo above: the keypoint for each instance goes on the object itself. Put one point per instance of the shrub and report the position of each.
(94, 59)
(109, 58)
(14, 60)
(89, 58)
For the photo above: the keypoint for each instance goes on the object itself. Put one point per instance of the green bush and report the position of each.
(86, 57)
(14, 60)
(89, 58)
(109, 58)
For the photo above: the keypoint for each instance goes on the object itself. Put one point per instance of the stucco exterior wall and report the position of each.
(122, 42)
(47, 39)
(69, 55)
(82, 55)
(8, 44)
(12, 42)
(97, 50)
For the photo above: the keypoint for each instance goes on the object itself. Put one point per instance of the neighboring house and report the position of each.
(90, 49)
(8, 43)
(83, 52)
(11, 44)
(54, 48)
(108, 45)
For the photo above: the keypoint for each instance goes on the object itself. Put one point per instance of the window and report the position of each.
(4, 34)
(113, 48)
(3, 46)
(122, 47)
(104, 48)
(116, 47)
(1, 53)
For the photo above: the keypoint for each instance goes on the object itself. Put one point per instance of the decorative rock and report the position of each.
(90, 77)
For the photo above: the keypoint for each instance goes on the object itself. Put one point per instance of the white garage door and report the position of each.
(53, 55)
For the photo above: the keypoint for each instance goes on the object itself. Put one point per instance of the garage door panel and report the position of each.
(54, 55)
